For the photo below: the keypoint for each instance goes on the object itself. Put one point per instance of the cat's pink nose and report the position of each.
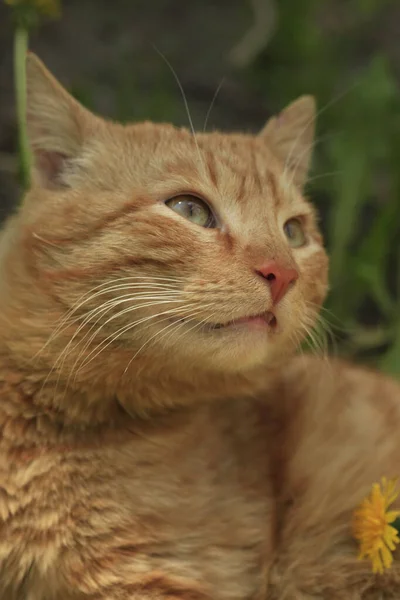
(279, 278)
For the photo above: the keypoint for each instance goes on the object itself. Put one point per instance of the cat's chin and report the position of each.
(241, 355)
(237, 346)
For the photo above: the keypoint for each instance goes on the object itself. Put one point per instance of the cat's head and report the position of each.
(163, 243)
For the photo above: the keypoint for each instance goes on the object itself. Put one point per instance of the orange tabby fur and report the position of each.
(141, 462)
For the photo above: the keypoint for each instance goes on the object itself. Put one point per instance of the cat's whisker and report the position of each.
(324, 355)
(317, 339)
(109, 304)
(102, 345)
(68, 348)
(146, 302)
(212, 103)
(199, 324)
(101, 349)
(66, 321)
(113, 337)
(334, 323)
(174, 324)
(181, 331)
(182, 324)
(322, 175)
(87, 297)
(315, 335)
(118, 315)
(297, 342)
(324, 323)
(288, 180)
(123, 330)
(155, 336)
(185, 103)
(158, 284)
(310, 340)
(327, 326)
(328, 105)
(114, 286)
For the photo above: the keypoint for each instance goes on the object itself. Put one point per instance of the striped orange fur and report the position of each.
(153, 443)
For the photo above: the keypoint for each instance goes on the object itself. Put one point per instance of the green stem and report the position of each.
(20, 51)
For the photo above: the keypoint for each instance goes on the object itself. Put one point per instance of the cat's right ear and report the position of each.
(290, 136)
(56, 124)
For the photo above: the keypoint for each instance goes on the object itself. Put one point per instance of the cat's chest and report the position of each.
(193, 502)
(199, 506)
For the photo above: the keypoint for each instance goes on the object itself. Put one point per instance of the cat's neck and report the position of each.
(150, 387)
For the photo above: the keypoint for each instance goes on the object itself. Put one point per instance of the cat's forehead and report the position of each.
(225, 159)
(182, 141)
(237, 165)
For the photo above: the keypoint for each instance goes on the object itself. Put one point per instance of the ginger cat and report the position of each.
(158, 437)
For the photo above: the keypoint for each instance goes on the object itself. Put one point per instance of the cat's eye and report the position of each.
(193, 209)
(295, 233)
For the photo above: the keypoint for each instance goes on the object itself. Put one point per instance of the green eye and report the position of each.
(295, 233)
(193, 209)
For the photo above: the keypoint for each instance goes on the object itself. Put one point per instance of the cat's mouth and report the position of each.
(266, 320)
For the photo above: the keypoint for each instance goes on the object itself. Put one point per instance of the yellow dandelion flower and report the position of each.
(373, 528)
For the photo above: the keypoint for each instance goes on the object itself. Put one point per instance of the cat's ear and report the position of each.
(56, 124)
(290, 136)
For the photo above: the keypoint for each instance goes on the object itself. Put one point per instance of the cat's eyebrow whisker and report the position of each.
(287, 181)
(328, 105)
(212, 103)
(322, 175)
(185, 103)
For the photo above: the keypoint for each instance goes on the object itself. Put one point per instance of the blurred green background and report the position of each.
(260, 55)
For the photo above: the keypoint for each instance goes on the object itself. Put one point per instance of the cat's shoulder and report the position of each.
(338, 384)
(339, 406)
(338, 435)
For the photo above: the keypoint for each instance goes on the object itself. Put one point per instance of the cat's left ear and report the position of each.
(290, 136)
